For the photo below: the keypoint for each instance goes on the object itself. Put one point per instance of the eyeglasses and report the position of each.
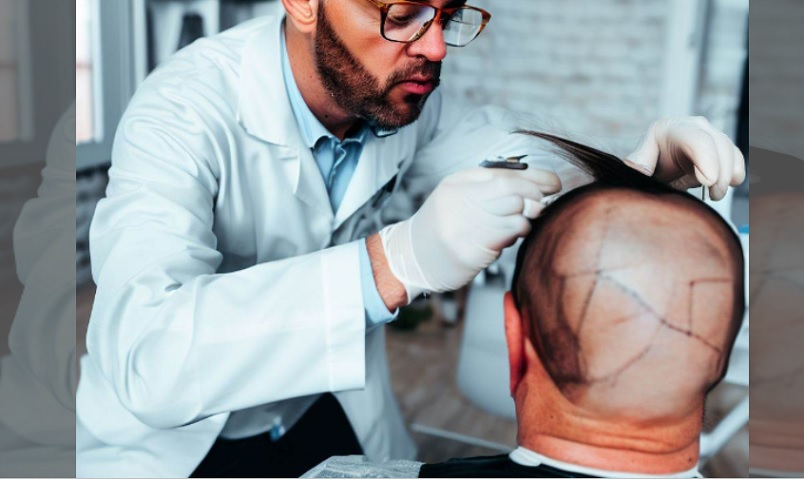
(406, 21)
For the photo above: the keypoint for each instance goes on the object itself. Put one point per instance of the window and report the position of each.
(36, 75)
(15, 106)
(108, 54)
(85, 28)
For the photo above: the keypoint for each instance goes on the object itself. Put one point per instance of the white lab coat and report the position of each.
(229, 293)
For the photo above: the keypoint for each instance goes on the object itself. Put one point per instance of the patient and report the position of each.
(625, 303)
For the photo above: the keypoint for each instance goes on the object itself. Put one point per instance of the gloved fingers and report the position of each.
(493, 231)
(685, 183)
(502, 242)
(504, 206)
(497, 182)
(518, 225)
(502, 232)
(689, 145)
(646, 154)
(476, 174)
(732, 171)
(638, 165)
(512, 205)
(725, 153)
(504, 186)
(699, 147)
(547, 180)
(532, 209)
(739, 168)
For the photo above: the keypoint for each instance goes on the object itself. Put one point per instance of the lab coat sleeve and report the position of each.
(180, 342)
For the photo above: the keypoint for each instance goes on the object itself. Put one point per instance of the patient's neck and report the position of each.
(555, 428)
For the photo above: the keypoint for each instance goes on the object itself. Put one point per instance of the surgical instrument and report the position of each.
(510, 163)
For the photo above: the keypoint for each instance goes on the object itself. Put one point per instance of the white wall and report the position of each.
(776, 77)
(596, 65)
(726, 50)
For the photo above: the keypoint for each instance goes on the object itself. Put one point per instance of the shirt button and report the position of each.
(277, 430)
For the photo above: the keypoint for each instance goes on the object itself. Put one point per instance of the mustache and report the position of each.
(425, 69)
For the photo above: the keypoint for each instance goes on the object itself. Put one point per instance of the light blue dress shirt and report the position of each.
(337, 161)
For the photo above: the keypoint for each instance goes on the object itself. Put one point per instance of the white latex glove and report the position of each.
(463, 226)
(688, 152)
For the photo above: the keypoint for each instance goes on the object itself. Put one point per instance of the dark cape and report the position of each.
(499, 466)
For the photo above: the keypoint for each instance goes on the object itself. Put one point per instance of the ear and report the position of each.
(302, 13)
(515, 338)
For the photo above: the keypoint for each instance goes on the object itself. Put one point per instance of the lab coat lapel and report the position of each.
(310, 187)
(263, 107)
(264, 111)
(379, 162)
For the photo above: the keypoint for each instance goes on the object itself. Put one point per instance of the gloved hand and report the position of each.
(688, 152)
(463, 226)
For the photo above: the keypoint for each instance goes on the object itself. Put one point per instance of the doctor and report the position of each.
(235, 281)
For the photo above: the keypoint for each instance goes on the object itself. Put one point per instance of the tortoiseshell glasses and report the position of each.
(406, 21)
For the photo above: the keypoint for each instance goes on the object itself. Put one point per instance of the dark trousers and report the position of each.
(322, 432)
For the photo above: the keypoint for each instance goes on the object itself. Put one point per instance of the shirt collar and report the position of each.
(312, 131)
(529, 458)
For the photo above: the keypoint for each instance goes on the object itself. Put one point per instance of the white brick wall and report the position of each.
(776, 76)
(594, 65)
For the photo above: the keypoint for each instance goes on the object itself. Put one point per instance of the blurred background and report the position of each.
(37, 238)
(603, 68)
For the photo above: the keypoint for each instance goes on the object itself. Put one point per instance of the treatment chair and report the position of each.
(483, 359)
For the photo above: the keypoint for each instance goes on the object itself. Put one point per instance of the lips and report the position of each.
(418, 85)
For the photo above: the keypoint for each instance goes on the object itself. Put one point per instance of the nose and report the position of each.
(432, 45)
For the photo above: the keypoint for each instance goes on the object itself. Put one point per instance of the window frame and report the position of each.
(118, 44)
(44, 59)
(22, 65)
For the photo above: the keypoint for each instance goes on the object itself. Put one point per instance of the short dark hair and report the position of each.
(611, 174)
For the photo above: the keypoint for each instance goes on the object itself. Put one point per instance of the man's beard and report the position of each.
(357, 92)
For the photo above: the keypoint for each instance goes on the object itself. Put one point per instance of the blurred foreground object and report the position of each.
(777, 229)
(776, 306)
(38, 379)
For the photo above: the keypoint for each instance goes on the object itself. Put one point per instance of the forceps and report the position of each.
(510, 163)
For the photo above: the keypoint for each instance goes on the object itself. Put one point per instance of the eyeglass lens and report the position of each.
(405, 22)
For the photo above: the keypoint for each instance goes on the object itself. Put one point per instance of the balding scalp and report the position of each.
(634, 297)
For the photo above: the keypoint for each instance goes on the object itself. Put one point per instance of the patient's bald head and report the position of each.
(630, 292)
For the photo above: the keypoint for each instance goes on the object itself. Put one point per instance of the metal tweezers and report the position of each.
(510, 163)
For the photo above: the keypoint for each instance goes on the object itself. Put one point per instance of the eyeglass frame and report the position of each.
(440, 13)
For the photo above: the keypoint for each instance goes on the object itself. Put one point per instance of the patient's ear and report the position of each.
(515, 338)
